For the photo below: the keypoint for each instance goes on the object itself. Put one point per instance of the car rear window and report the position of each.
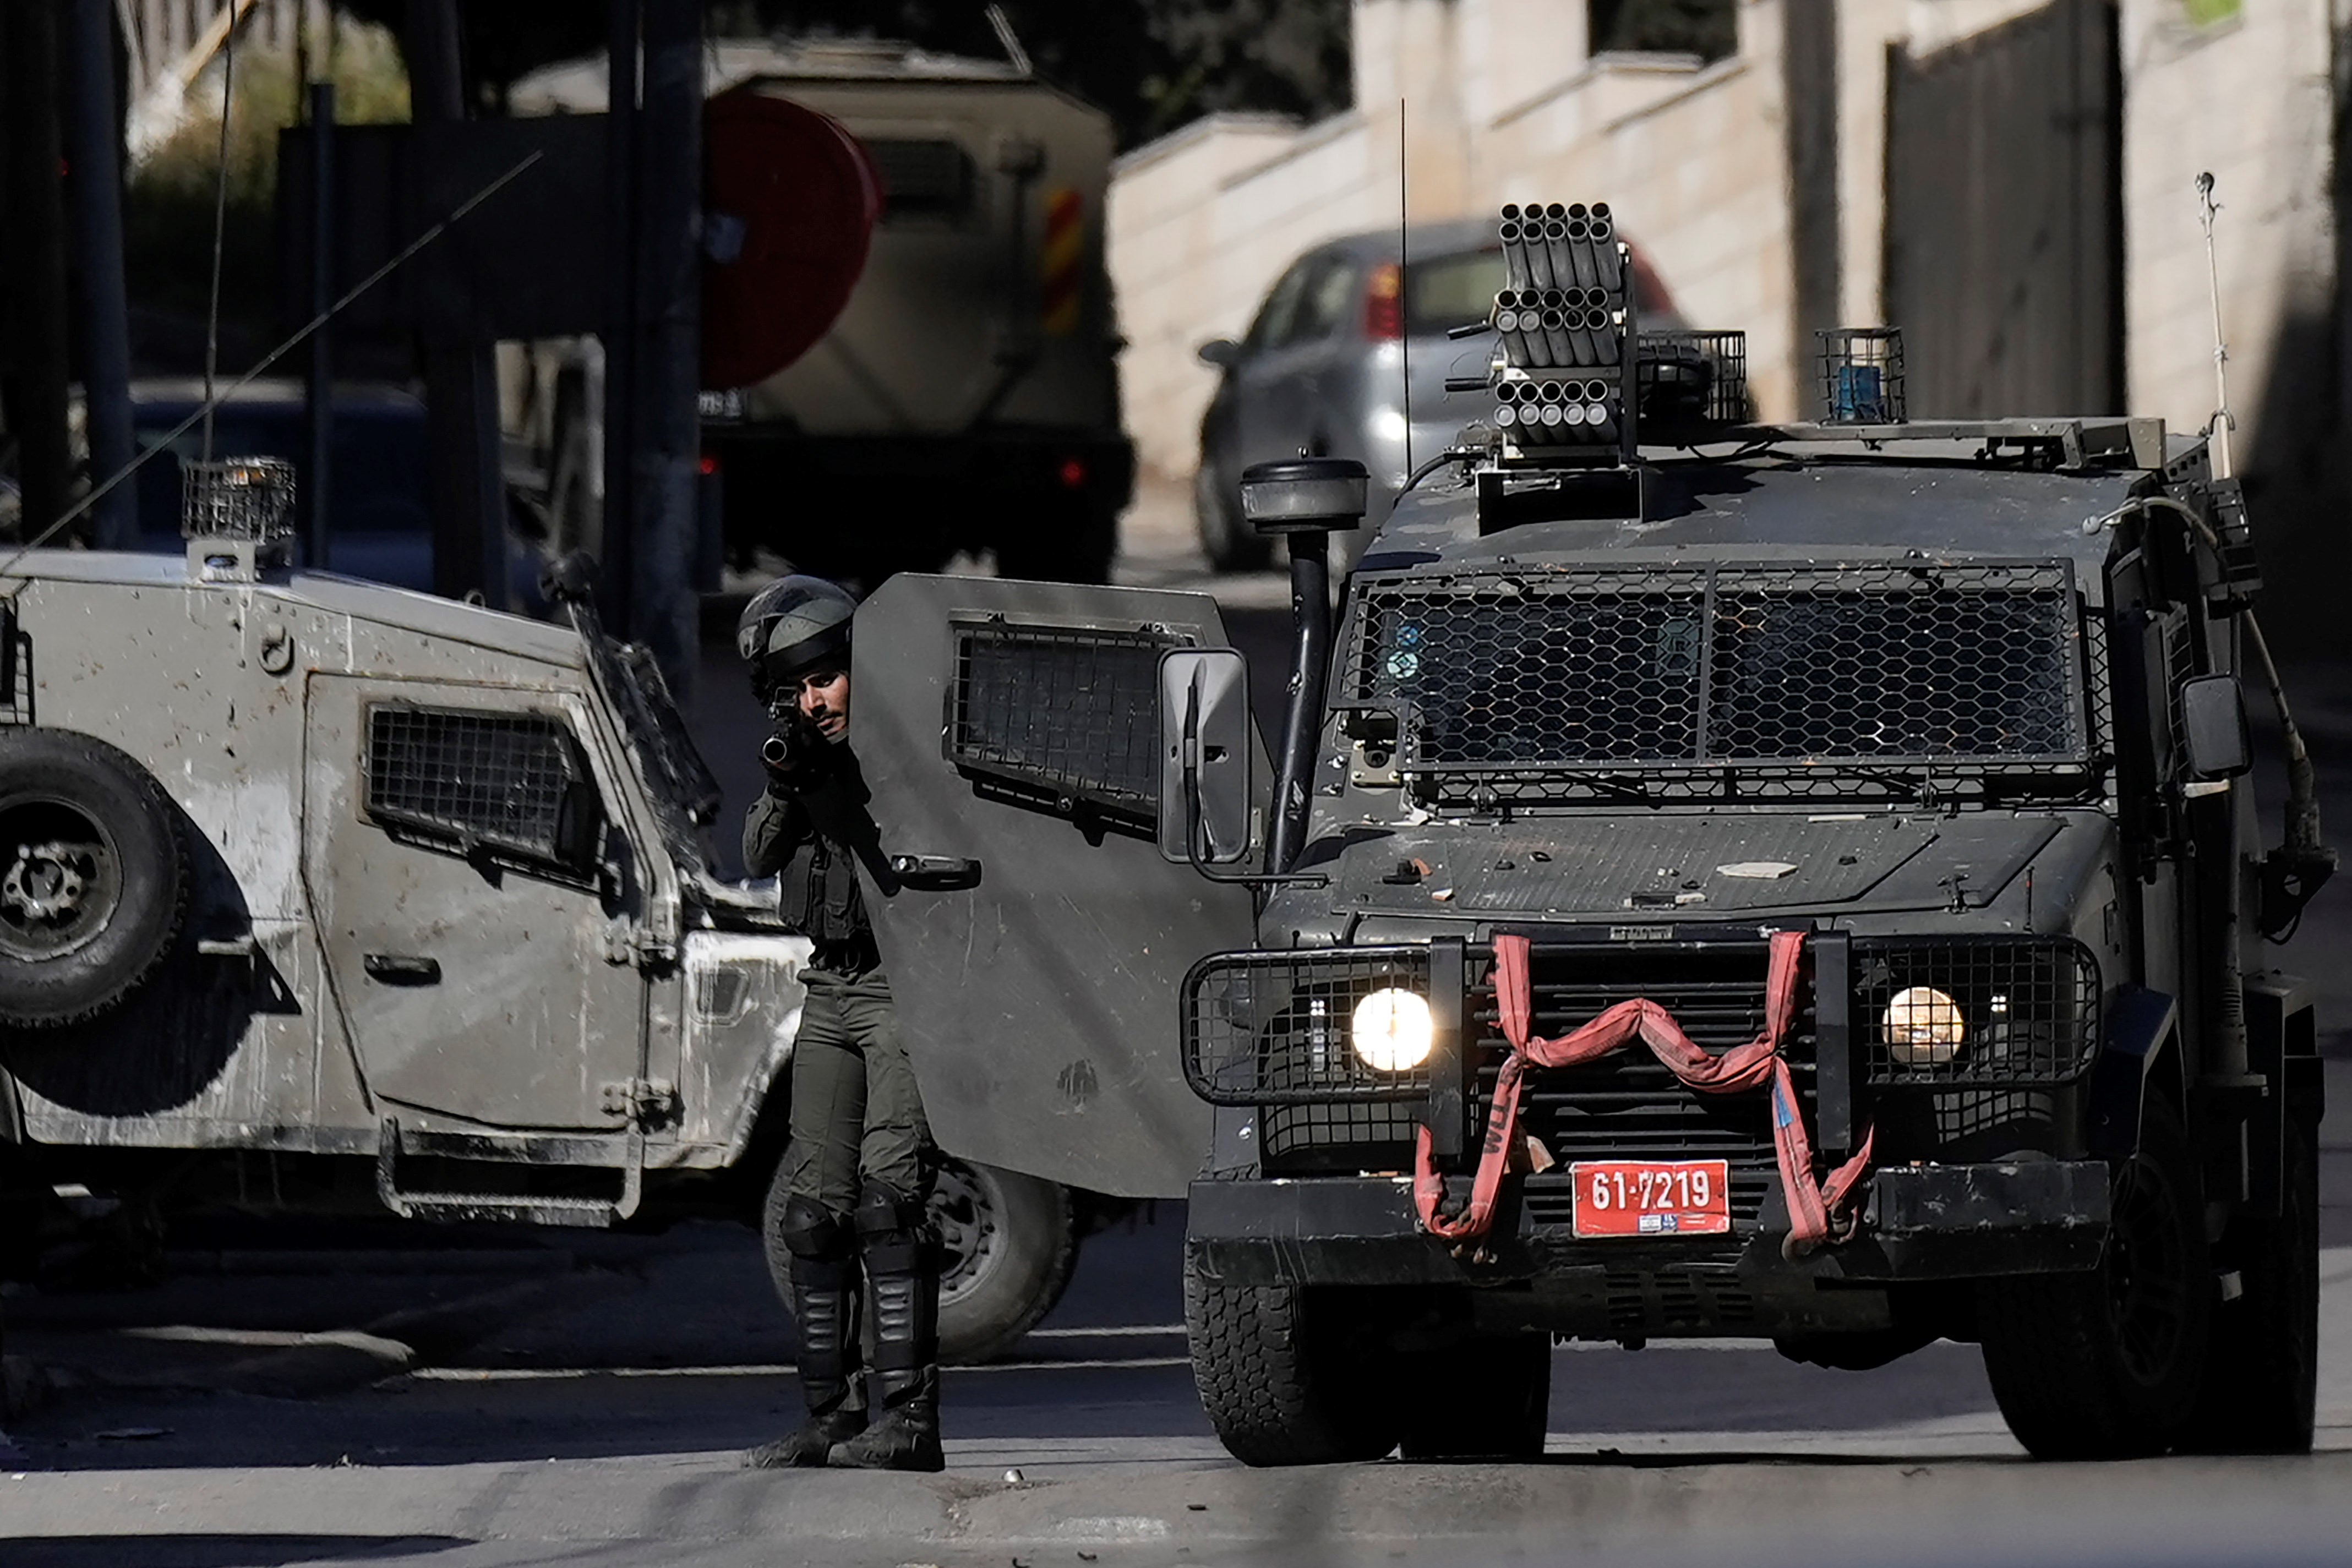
(1452, 290)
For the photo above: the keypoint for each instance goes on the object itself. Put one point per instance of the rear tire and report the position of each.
(1288, 1376)
(2262, 1379)
(94, 877)
(1490, 1399)
(2108, 1364)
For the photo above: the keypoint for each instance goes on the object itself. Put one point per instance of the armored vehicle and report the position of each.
(977, 355)
(323, 895)
(1794, 882)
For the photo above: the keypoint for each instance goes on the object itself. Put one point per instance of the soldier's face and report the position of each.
(825, 697)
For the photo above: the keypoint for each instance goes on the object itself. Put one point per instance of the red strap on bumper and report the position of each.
(1756, 1064)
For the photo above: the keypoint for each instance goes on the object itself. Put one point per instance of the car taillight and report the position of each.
(1073, 472)
(1384, 303)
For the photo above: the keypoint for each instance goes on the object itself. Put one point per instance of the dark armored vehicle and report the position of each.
(1793, 882)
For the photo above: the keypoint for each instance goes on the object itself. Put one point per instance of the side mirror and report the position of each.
(2213, 726)
(1219, 351)
(1204, 755)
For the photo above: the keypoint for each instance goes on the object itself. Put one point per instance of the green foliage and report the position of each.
(168, 202)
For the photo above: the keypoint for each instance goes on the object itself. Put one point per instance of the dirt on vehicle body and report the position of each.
(405, 900)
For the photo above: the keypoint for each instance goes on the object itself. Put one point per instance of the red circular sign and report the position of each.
(789, 200)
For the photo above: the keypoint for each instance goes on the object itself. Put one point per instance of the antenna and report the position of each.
(1009, 41)
(1404, 295)
(2217, 428)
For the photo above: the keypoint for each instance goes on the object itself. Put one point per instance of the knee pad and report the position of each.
(812, 1231)
(890, 1229)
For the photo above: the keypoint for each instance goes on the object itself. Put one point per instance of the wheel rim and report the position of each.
(964, 1215)
(60, 878)
(2148, 1268)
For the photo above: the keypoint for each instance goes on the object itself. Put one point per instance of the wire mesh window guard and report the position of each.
(500, 780)
(1069, 714)
(1819, 674)
(1275, 1028)
(237, 499)
(2027, 1011)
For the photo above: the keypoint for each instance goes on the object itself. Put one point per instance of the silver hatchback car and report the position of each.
(1324, 370)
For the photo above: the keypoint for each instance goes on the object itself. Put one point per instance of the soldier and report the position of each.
(854, 1177)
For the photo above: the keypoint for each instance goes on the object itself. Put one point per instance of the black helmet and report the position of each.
(793, 625)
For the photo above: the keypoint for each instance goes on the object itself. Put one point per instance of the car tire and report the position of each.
(1230, 545)
(1007, 1244)
(94, 877)
(2108, 1364)
(2262, 1378)
(1489, 1399)
(1287, 1374)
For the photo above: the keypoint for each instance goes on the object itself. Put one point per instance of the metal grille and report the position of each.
(1071, 713)
(1690, 379)
(1272, 1029)
(1626, 1105)
(1685, 680)
(237, 499)
(2028, 1006)
(497, 779)
(1337, 1135)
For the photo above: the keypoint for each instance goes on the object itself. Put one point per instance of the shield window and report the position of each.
(1061, 716)
(502, 782)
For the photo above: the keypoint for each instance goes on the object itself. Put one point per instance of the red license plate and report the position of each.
(1653, 1198)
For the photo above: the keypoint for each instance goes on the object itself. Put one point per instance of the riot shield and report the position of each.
(1034, 935)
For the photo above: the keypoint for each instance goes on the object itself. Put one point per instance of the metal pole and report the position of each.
(670, 364)
(319, 385)
(461, 412)
(35, 353)
(94, 150)
(614, 533)
(1310, 617)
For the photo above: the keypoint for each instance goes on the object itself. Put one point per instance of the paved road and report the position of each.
(601, 1420)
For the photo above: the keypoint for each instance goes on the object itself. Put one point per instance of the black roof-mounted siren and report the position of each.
(1564, 390)
(1862, 375)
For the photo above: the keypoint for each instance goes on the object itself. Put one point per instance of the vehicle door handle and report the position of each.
(935, 873)
(402, 968)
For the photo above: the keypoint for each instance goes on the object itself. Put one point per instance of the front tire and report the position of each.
(1228, 542)
(1007, 1244)
(2108, 1364)
(2261, 1380)
(1490, 1399)
(1288, 1376)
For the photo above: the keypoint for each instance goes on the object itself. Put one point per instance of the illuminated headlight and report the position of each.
(1393, 1030)
(1922, 1027)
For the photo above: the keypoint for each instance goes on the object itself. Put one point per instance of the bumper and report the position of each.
(1917, 1223)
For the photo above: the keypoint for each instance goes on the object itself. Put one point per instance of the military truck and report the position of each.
(324, 895)
(967, 398)
(1795, 882)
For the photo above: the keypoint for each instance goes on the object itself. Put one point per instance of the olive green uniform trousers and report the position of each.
(856, 1116)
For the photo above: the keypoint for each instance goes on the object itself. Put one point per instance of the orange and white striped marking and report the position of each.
(1062, 282)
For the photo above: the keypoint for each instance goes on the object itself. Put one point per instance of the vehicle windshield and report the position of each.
(1729, 679)
(685, 795)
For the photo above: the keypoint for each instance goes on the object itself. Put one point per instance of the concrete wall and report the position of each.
(1505, 103)
(1500, 103)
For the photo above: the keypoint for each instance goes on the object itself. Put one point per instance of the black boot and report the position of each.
(904, 1435)
(824, 1298)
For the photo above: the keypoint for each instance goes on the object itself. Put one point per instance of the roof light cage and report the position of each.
(1862, 375)
(237, 499)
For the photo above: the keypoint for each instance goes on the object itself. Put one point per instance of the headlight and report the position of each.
(1393, 1030)
(1922, 1027)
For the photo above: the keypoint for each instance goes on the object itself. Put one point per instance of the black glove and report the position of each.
(794, 752)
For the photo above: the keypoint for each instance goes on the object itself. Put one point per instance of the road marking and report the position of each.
(769, 1369)
(1120, 1331)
